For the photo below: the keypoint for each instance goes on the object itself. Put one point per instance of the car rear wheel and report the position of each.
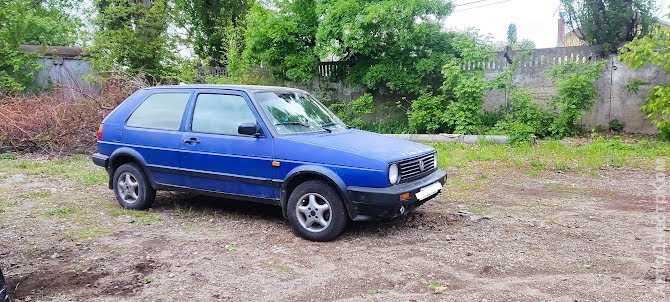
(132, 189)
(316, 212)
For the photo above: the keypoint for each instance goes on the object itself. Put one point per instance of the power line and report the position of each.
(480, 6)
(468, 3)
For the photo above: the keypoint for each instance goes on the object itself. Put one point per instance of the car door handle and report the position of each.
(192, 141)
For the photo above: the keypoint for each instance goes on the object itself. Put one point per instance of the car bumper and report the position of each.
(100, 160)
(368, 204)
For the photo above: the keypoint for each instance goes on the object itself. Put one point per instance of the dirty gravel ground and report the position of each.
(570, 236)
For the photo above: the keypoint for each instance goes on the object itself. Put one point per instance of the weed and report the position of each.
(8, 156)
(147, 280)
(85, 233)
(231, 246)
(37, 195)
(437, 287)
(137, 217)
(374, 291)
(62, 211)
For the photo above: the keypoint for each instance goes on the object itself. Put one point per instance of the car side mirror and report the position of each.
(250, 129)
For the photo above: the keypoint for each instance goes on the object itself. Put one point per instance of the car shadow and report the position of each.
(193, 205)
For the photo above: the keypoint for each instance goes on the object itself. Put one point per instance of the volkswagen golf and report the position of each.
(272, 145)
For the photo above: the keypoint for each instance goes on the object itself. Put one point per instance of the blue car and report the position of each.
(272, 145)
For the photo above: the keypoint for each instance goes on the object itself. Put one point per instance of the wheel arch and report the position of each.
(302, 174)
(126, 155)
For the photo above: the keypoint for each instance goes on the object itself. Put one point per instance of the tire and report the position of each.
(313, 204)
(132, 188)
(4, 294)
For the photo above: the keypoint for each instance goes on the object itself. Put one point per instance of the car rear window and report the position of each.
(160, 111)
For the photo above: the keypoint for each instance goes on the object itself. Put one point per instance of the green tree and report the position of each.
(511, 34)
(38, 22)
(133, 37)
(394, 44)
(610, 23)
(653, 49)
(211, 26)
(283, 38)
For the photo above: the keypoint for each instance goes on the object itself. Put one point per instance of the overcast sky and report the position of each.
(536, 20)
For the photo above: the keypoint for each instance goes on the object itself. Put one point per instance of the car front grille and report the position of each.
(415, 168)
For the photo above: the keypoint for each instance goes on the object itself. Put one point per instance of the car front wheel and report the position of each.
(316, 211)
(132, 189)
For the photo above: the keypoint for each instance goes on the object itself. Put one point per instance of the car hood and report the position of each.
(368, 144)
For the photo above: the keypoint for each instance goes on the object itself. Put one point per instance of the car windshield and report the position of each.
(295, 112)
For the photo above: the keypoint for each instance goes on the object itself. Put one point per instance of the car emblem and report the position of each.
(421, 165)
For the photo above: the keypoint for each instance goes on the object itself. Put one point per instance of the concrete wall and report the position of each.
(68, 73)
(613, 101)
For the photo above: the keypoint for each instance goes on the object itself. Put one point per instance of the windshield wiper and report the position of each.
(293, 123)
(325, 126)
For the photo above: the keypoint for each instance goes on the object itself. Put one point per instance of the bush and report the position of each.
(522, 109)
(517, 131)
(575, 83)
(428, 114)
(46, 123)
(616, 125)
(352, 112)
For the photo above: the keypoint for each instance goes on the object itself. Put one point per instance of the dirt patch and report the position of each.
(549, 237)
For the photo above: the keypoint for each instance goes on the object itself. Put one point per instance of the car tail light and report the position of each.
(100, 132)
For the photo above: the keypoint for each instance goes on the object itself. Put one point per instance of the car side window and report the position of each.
(160, 111)
(220, 114)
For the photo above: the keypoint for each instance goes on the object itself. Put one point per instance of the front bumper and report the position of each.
(368, 204)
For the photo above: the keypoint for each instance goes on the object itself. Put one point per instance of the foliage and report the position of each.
(352, 112)
(211, 26)
(283, 39)
(428, 114)
(393, 44)
(132, 37)
(576, 92)
(653, 49)
(616, 125)
(522, 119)
(37, 22)
(511, 34)
(464, 89)
(610, 23)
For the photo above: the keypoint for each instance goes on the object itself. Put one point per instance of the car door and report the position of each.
(154, 130)
(216, 158)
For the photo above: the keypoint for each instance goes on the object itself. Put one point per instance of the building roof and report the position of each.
(53, 51)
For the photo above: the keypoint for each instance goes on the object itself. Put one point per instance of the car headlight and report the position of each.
(435, 162)
(393, 174)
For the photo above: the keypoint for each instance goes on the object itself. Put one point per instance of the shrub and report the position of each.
(616, 125)
(47, 123)
(575, 83)
(517, 131)
(428, 114)
(352, 112)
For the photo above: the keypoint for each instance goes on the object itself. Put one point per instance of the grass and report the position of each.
(136, 217)
(76, 169)
(596, 154)
(85, 233)
(231, 246)
(61, 212)
(37, 195)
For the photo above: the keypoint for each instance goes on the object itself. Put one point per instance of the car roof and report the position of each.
(246, 88)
